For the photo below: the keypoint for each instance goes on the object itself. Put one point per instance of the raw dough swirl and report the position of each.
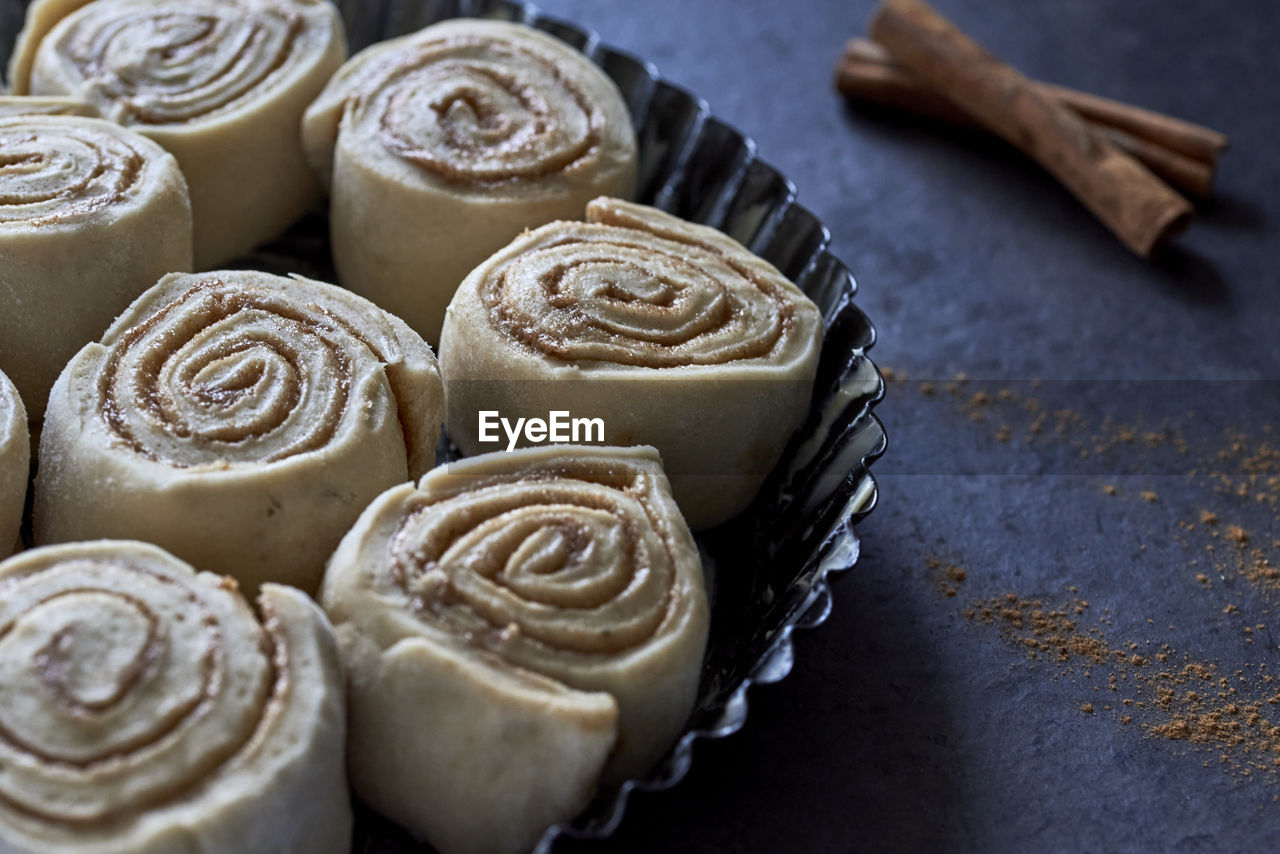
(144, 709)
(441, 146)
(91, 214)
(516, 628)
(240, 420)
(222, 84)
(671, 333)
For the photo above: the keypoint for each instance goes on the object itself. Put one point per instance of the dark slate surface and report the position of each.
(905, 726)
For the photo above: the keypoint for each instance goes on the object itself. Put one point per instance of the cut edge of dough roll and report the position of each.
(536, 329)
(170, 475)
(76, 256)
(244, 161)
(290, 764)
(523, 743)
(406, 234)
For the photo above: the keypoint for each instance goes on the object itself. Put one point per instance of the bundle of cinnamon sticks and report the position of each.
(1123, 162)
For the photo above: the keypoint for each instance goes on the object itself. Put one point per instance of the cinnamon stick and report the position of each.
(1137, 206)
(866, 72)
(1186, 138)
(1181, 136)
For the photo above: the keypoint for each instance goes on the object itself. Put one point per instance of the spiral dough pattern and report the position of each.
(442, 145)
(91, 214)
(670, 333)
(231, 374)
(221, 84)
(556, 589)
(272, 409)
(603, 296)
(163, 691)
(133, 689)
(546, 563)
(56, 171)
(154, 64)
(472, 110)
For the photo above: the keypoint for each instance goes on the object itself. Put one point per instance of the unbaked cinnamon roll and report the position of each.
(443, 145)
(665, 332)
(222, 84)
(515, 629)
(145, 709)
(91, 214)
(15, 464)
(240, 420)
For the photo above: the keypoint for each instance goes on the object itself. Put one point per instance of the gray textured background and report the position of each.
(904, 727)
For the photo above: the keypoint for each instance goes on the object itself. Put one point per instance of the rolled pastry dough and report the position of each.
(144, 709)
(222, 84)
(240, 420)
(91, 214)
(15, 464)
(443, 145)
(516, 628)
(671, 333)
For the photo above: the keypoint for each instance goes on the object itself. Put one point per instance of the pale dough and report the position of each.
(671, 333)
(91, 215)
(517, 628)
(147, 710)
(441, 146)
(240, 420)
(222, 84)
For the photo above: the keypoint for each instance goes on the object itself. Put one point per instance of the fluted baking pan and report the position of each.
(780, 555)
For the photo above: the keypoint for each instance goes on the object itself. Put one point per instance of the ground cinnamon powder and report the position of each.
(1231, 720)
(1241, 470)
(947, 577)
(1167, 694)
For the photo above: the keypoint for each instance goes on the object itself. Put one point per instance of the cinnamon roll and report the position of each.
(516, 629)
(220, 83)
(15, 464)
(144, 709)
(91, 214)
(443, 145)
(240, 420)
(668, 333)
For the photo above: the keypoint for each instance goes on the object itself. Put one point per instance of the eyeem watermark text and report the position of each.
(558, 426)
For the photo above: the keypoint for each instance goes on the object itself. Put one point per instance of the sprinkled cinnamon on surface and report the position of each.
(947, 577)
(1169, 695)
(1227, 550)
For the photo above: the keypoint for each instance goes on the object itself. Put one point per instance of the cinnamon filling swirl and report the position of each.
(669, 332)
(603, 296)
(170, 63)
(54, 171)
(112, 668)
(228, 373)
(538, 567)
(479, 111)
